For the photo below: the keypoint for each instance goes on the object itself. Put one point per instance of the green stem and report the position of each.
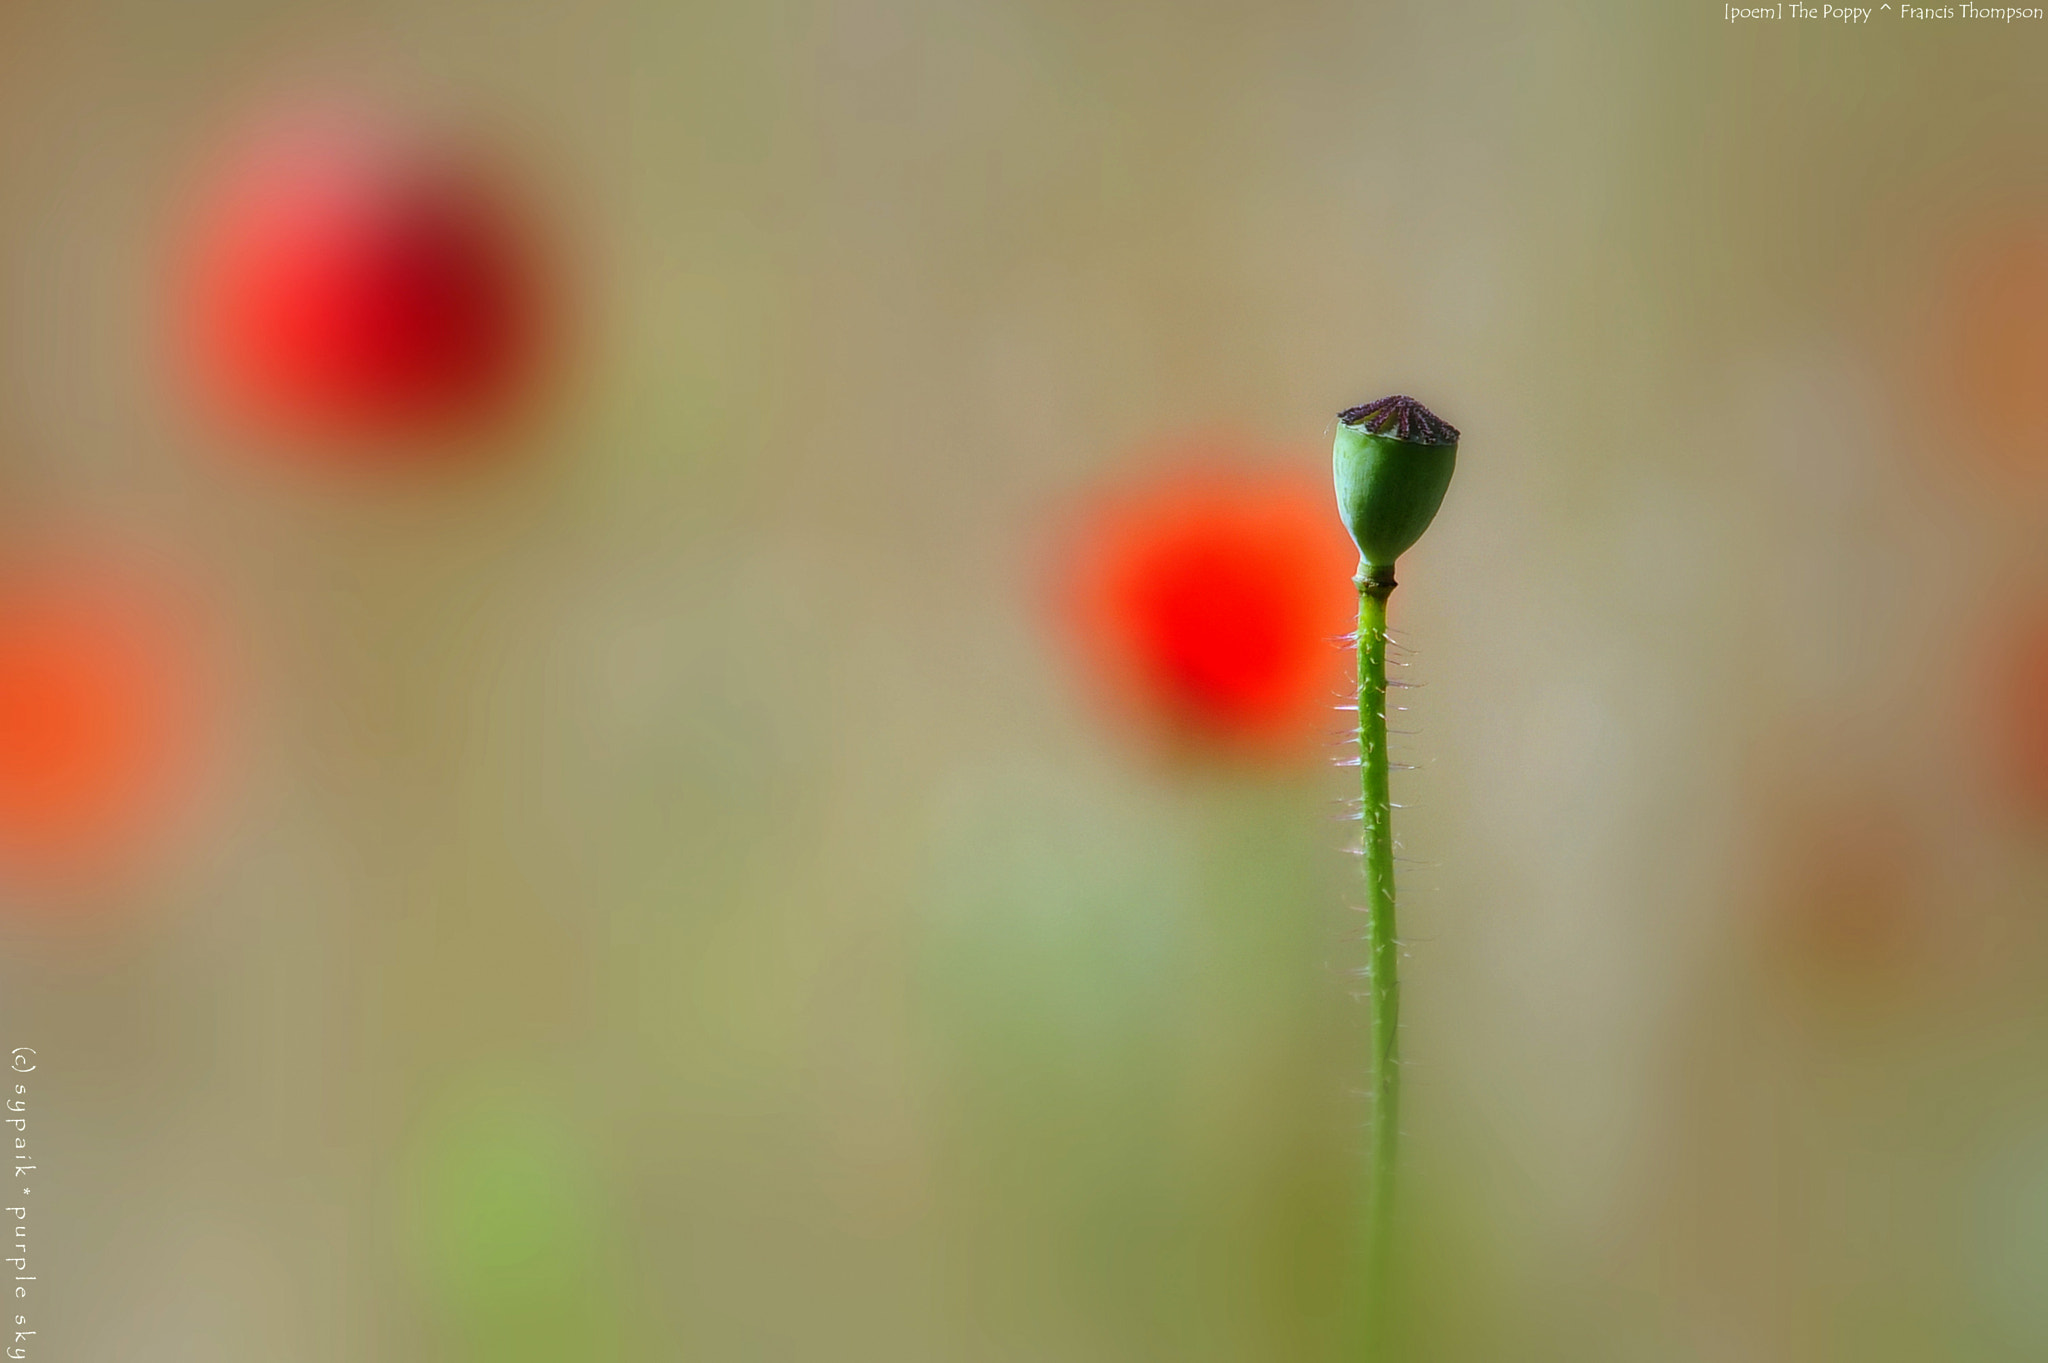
(1383, 1069)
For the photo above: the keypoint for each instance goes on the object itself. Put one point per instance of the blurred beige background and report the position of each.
(673, 897)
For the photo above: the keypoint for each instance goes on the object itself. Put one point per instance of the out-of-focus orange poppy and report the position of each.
(2019, 706)
(1994, 334)
(104, 709)
(1207, 599)
(1843, 881)
(360, 291)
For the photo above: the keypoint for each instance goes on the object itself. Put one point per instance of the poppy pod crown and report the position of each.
(1393, 462)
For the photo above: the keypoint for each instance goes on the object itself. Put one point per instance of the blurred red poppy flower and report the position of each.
(102, 710)
(1207, 599)
(356, 285)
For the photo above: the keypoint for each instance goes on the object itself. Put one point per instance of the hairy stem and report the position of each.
(1383, 1074)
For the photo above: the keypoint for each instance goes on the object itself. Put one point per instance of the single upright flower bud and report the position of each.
(1393, 463)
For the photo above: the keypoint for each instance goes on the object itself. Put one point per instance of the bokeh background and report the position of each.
(745, 855)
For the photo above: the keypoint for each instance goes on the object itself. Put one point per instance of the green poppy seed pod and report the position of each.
(1393, 463)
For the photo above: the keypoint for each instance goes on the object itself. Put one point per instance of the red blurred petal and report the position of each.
(1208, 599)
(351, 281)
